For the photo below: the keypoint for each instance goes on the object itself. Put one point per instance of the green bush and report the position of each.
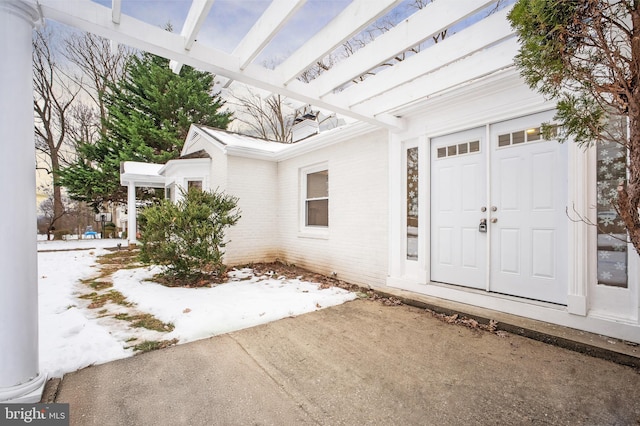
(188, 237)
(109, 230)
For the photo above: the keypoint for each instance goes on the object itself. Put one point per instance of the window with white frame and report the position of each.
(315, 185)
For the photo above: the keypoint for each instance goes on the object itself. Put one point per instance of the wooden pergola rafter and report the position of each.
(376, 100)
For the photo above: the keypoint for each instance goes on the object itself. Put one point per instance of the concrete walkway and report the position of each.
(355, 364)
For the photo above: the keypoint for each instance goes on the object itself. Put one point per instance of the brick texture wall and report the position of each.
(255, 237)
(355, 246)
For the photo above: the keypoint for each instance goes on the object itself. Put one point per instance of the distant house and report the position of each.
(470, 204)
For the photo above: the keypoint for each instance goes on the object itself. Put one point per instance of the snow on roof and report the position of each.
(142, 174)
(138, 168)
(242, 141)
(248, 146)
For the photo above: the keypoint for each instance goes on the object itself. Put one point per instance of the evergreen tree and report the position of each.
(586, 55)
(149, 114)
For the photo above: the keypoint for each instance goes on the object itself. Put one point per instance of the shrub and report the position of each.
(109, 230)
(60, 234)
(188, 237)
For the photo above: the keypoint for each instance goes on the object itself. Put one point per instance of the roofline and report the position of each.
(177, 161)
(313, 143)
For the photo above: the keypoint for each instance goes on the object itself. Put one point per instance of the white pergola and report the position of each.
(480, 48)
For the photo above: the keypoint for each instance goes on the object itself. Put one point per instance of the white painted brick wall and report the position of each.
(254, 238)
(218, 175)
(356, 247)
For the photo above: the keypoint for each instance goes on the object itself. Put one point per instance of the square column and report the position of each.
(132, 224)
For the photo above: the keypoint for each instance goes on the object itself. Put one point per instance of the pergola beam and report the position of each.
(478, 37)
(373, 100)
(89, 16)
(116, 11)
(353, 19)
(265, 29)
(457, 74)
(431, 20)
(195, 18)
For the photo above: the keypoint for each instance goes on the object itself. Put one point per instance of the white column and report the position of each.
(579, 244)
(395, 203)
(20, 380)
(131, 214)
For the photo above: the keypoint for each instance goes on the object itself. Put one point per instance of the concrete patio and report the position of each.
(364, 363)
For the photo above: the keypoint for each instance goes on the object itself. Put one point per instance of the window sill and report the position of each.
(314, 233)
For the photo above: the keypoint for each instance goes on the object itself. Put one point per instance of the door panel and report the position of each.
(458, 192)
(529, 190)
(510, 254)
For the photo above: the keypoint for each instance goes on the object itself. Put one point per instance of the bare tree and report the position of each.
(75, 220)
(52, 105)
(86, 124)
(268, 118)
(100, 64)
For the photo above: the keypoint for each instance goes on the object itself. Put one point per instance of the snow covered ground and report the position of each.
(72, 336)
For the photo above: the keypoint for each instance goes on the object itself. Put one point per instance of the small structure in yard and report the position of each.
(90, 233)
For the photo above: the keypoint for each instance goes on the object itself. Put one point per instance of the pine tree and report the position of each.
(149, 114)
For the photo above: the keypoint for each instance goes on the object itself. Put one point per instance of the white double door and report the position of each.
(518, 189)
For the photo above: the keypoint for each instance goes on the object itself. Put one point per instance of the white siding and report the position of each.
(254, 238)
(356, 246)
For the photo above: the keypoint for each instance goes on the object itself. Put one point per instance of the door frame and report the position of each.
(583, 310)
(488, 138)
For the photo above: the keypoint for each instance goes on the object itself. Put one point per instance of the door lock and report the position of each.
(483, 225)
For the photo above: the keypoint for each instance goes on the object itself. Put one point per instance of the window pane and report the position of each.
(412, 204)
(474, 146)
(317, 213)
(533, 134)
(518, 137)
(504, 140)
(197, 184)
(318, 184)
(612, 234)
